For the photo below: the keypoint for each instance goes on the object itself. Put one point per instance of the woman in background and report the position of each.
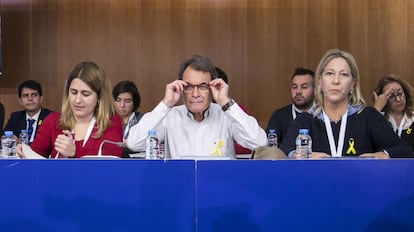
(87, 121)
(342, 125)
(127, 101)
(393, 97)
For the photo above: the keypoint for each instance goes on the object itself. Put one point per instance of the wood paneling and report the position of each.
(257, 42)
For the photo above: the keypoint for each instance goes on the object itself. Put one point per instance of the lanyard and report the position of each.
(336, 152)
(89, 131)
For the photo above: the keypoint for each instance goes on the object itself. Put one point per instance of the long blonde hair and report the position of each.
(354, 97)
(95, 78)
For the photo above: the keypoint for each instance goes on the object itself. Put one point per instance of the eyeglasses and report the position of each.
(394, 96)
(202, 87)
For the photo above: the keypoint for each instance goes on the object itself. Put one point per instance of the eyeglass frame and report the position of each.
(393, 96)
(190, 87)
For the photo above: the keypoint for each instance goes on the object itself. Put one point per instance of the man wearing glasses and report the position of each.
(32, 115)
(198, 128)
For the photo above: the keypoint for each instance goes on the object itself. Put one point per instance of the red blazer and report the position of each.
(44, 142)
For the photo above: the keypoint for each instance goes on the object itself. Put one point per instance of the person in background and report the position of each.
(1, 118)
(198, 128)
(239, 149)
(302, 94)
(31, 117)
(342, 125)
(127, 101)
(88, 119)
(394, 97)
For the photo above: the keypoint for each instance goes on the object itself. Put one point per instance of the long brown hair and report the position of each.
(95, 78)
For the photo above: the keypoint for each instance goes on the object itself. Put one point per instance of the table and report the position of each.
(207, 195)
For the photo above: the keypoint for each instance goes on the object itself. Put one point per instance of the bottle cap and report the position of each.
(272, 131)
(152, 132)
(8, 133)
(303, 131)
(23, 131)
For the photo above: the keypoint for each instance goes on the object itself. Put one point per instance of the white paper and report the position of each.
(29, 153)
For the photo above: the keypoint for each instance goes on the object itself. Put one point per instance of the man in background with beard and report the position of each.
(302, 94)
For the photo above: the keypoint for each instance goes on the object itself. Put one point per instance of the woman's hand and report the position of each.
(382, 99)
(320, 155)
(65, 144)
(316, 155)
(377, 155)
(19, 151)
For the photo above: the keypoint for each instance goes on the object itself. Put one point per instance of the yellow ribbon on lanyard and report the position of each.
(351, 148)
(409, 131)
(216, 150)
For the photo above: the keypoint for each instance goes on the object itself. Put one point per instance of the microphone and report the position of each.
(119, 144)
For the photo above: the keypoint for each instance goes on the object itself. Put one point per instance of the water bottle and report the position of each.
(303, 145)
(161, 150)
(8, 145)
(24, 137)
(152, 145)
(272, 138)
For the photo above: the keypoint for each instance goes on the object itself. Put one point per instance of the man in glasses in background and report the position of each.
(32, 115)
(199, 128)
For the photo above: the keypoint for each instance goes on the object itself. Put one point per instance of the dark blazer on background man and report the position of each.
(17, 121)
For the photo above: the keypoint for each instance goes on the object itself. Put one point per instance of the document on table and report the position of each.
(29, 153)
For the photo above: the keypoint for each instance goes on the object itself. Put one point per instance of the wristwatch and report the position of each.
(226, 106)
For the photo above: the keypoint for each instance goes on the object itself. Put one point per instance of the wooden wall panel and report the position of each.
(257, 42)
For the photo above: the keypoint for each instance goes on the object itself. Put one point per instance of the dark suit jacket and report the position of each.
(17, 121)
(280, 120)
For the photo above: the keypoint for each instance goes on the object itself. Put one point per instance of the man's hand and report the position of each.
(173, 92)
(220, 90)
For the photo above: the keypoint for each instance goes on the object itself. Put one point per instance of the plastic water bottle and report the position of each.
(272, 138)
(161, 150)
(152, 146)
(303, 145)
(23, 137)
(8, 145)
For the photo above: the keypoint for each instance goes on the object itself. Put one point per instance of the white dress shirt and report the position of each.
(185, 136)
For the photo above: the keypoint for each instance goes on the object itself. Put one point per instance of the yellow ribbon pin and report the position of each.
(409, 131)
(351, 148)
(217, 149)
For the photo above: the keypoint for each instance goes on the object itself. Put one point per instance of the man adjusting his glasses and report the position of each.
(198, 128)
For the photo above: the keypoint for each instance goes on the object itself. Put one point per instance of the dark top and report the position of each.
(368, 130)
(125, 150)
(17, 121)
(280, 120)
